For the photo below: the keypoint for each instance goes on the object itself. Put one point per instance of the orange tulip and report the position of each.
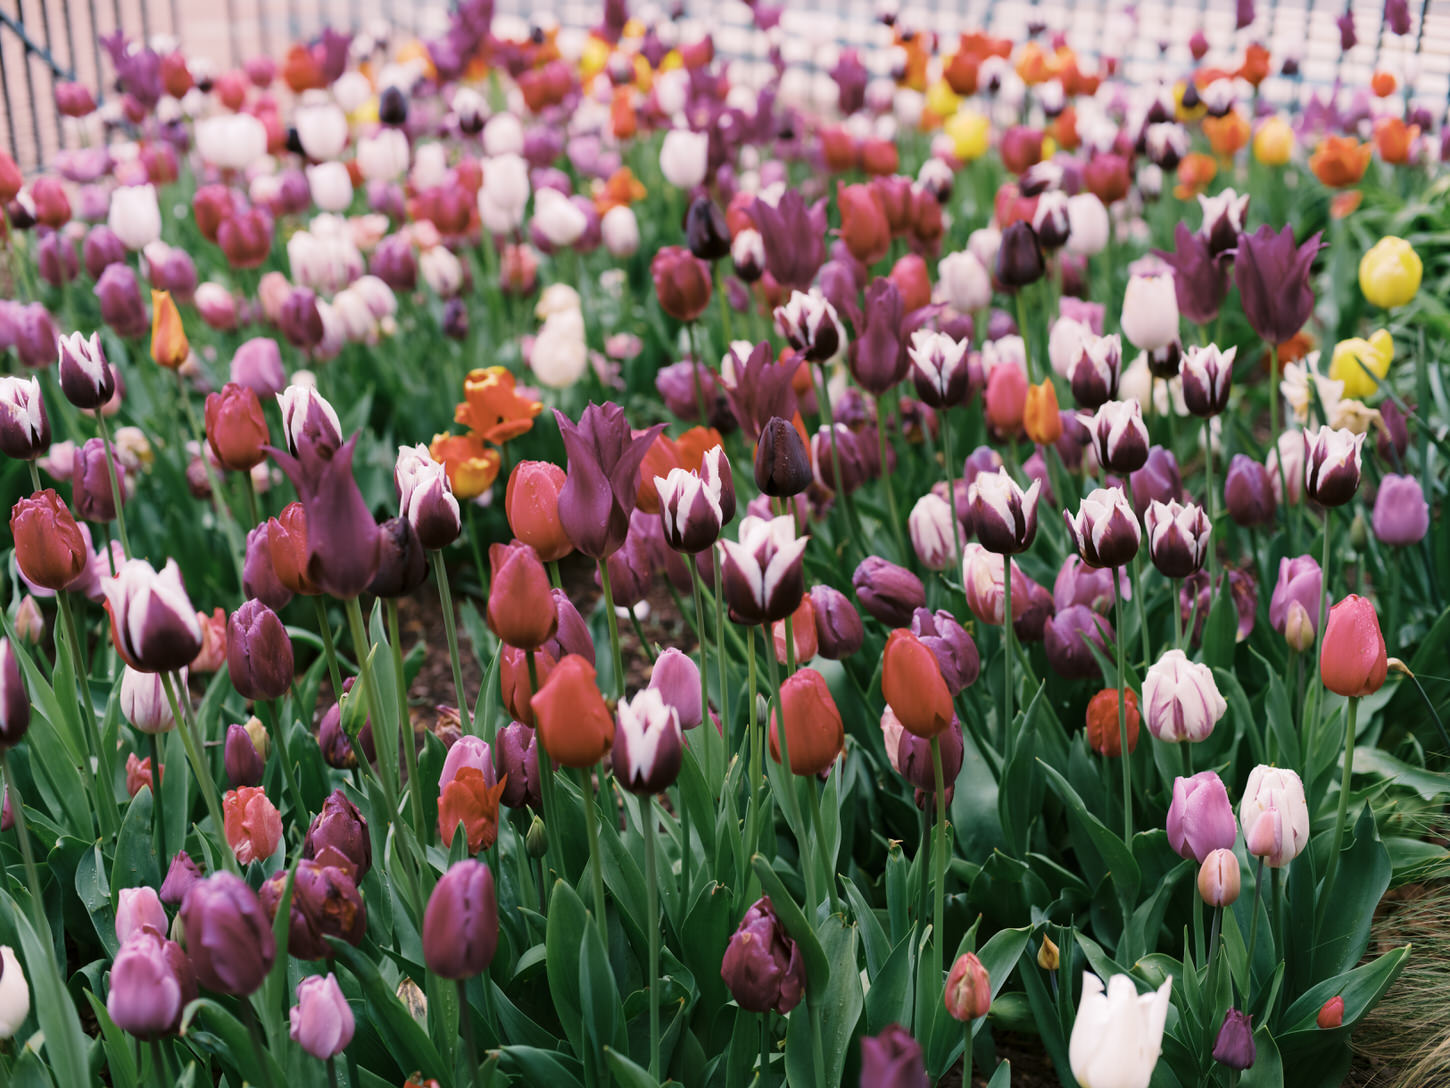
(471, 466)
(694, 444)
(1194, 173)
(814, 732)
(863, 223)
(1228, 134)
(1255, 68)
(471, 801)
(252, 824)
(492, 408)
(1340, 161)
(803, 630)
(1102, 723)
(515, 686)
(912, 683)
(663, 455)
(1394, 139)
(1040, 417)
(169, 346)
(1383, 84)
(574, 726)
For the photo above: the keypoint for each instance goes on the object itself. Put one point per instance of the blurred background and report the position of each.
(44, 42)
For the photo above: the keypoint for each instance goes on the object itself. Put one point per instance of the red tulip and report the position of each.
(520, 607)
(682, 283)
(531, 502)
(1352, 661)
(236, 429)
(863, 223)
(814, 733)
(574, 726)
(49, 548)
(515, 688)
(913, 685)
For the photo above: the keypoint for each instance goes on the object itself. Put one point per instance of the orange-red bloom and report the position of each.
(471, 466)
(252, 824)
(863, 222)
(1340, 161)
(1040, 416)
(492, 408)
(471, 801)
(169, 346)
(49, 548)
(912, 683)
(1394, 139)
(1102, 723)
(1227, 135)
(574, 726)
(814, 732)
(531, 502)
(287, 546)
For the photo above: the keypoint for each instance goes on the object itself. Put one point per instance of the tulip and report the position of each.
(259, 576)
(574, 726)
(1065, 638)
(892, 1059)
(983, 578)
(520, 609)
(619, 229)
(1178, 538)
(24, 426)
(1218, 877)
(91, 491)
(1361, 365)
(1118, 1033)
(1180, 699)
(1274, 815)
(1104, 531)
(321, 129)
(1352, 658)
(1331, 1013)
(243, 763)
(253, 824)
(259, 652)
(14, 700)
(1003, 515)
(236, 430)
(151, 983)
(325, 903)
(1150, 310)
(144, 703)
(181, 876)
(138, 909)
(309, 420)
(1332, 465)
(1120, 438)
(763, 573)
(460, 924)
(402, 563)
(1248, 492)
(762, 966)
(913, 685)
(1294, 606)
(516, 762)
(169, 346)
(531, 503)
(321, 1021)
(153, 623)
(342, 538)
(930, 527)
(691, 513)
(1200, 819)
(648, 744)
(955, 652)
(965, 282)
(814, 733)
(338, 835)
(49, 548)
(1272, 274)
(601, 489)
(14, 993)
(810, 324)
(86, 379)
(968, 993)
(839, 633)
(135, 216)
(681, 282)
(1206, 376)
(228, 937)
(1401, 515)
(1234, 1046)
(425, 498)
(683, 159)
(888, 592)
(1019, 259)
(1390, 273)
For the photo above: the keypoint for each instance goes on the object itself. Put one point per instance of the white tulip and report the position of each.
(135, 216)
(1118, 1033)
(14, 993)
(684, 157)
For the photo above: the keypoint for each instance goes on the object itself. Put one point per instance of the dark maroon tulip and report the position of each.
(100, 250)
(56, 260)
(1234, 1046)
(1397, 16)
(1348, 39)
(393, 263)
(521, 608)
(34, 335)
(14, 701)
(762, 966)
(705, 231)
(86, 378)
(516, 760)
(91, 492)
(782, 466)
(180, 877)
(151, 983)
(121, 305)
(242, 762)
(888, 592)
(300, 320)
(1065, 637)
(762, 390)
(956, 653)
(602, 486)
(325, 903)
(878, 354)
(259, 577)
(794, 238)
(336, 747)
(1200, 280)
(1272, 274)
(245, 237)
(839, 633)
(343, 542)
(259, 652)
(1040, 608)
(455, 319)
(460, 926)
(892, 1060)
(338, 835)
(1019, 257)
(1248, 492)
(228, 935)
(913, 757)
(402, 562)
(682, 283)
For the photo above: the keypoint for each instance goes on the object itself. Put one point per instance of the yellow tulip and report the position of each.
(1361, 364)
(1389, 274)
(941, 99)
(970, 133)
(1274, 142)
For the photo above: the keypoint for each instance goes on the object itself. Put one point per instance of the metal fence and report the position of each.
(43, 42)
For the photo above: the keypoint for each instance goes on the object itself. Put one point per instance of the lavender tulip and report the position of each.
(228, 936)
(1200, 819)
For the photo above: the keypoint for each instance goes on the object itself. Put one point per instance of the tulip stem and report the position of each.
(1135, 571)
(35, 483)
(450, 630)
(410, 751)
(720, 654)
(752, 803)
(160, 811)
(1274, 427)
(652, 906)
(115, 483)
(892, 510)
(946, 438)
(725, 322)
(254, 1029)
(939, 852)
(596, 873)
(1177, 613)
(192, 743)
(1007, 632)
(329, 648)
(1208, 492)
(554, 577)
(823, 402)
(820, 831)
(613, 628)
(695, 364)
(546, 782)
(1125, 755)
(279, 742)
(791, 802)
(1254, 920)
(1350, 717)
(764, 1047)
(102, 775)
(1022, 329)
(27, 854)
(465, 1025)
(639, 634)
(159, 1065)
(967, 1054)
(385, 740)
(253, 510)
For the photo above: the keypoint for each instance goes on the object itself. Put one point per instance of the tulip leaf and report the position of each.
(1001, 1076)
(1268, 1068)
(1115, 854)
(1361, 988)
(818, 968)
(226, 1037)
(888, 1001)
(626, 1073)
(1427, 783)
(407, 1041)
(598, 994)
(830, 1012)
(873, 937)
(542, 1066)
(119, 1061)
(1347, 909)
(67, 1049)
(93, 892)
(567, 920)
(135, 864)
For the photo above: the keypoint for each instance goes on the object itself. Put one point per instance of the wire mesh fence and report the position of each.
(47, 42)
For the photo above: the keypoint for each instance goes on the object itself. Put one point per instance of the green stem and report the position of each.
(653, 921)
(596, 872)
(329, 647)
(946, 437)
(465, 1026)
(815, 800)
(224, 515)
(1008, 741)
(752, 803)
(115, 484)
(191, 742)
(720, 651)
(967, 1055)
(410, 751)
(254, 1029)
(1350, 717)
(35, 484)
(160, 821)
(253, 510)
(639, 634)
(102, 775)
(1254, 919)
(613, 628)
(725, 322)
(27, 854)
(764, 1047)
(791, 802)
(385, 739)
(823, 402)
(450, 629)
(1126, 756)
(1025, 330)
(1208, 495)
(1135, 571)
(939, 853)
(279, 742)
(546, 781)
(1177, 611)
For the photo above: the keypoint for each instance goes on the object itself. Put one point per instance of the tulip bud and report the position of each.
(1331, 1013)
(1105, 530)
(49, 548)
(677, 678)
(1181, 699)
(236, 430)
(762, 967)
(682, 283)
(259, 652)
(1331, 465)
(1218, 878)
(1047, 954)
(839, 633)
(460, 925)
(1401, 514)
(228, 937)
(1234, 1046)
(888, 592)
(426, 499)
(321, 1021)
(1248, 492)
(913, 685)
(1019, 258)
(1104, 734)
(814, 733)
(1274, 815)
(1207, 373)
(968, 994)
(243, 763)
(1200, 818)
(892, 1059)
(782, 466)
(1041, 418)
(138, 909)
(339, 833)
(151, 983)
(531, 502)
(181, 876)
(1352, 658)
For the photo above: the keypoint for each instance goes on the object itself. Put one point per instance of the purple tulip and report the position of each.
(888, 592)
(676, 385)
(1294, 606)
(516, 759)
(338, 836)
(1397, 16)
(343, 542)
(14, 701)
(137, 909)
(1234, 1047)
(914, 759)
(182, 874)
(1032, 620)
(259, 577)
(839, 633)
(1348, 39)
(325, 903)
(460, 925)
(677, 678)
(761, 390)
(1065, 638)
(892, 1059)
(393, 263)
(1195, 592)
(762, 967)
(1200, 819)
(572, 636)
(121, 305)
(1248, 492)
(56, 260)
(402, 562)
(257, 364)
(1272, 274)
(91, 483)
(100, 250)
(1200, 280)
(1156, 481)
(851, 77)
(151, 983)
(878, 354)
(955, 652)
(228, 935)
(603, 482)
(242, 762)
(259, 652)
(794, 237)
(321, 1022)
(1078, 583)
(1401, 515)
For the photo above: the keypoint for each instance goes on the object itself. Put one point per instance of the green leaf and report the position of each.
(543, 1067)
(1347, 909)
(829, 1012)
(1268, 1068)
(1361, 988)
(1428, 784)
(598, 994)
(626, 1073)
(67, 1050)
(136, 864)
(236, 1046)
(1115, 854)
(402, 1035)
(888, 1001)
(567, 921)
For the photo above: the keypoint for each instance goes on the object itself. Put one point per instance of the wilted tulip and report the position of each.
(228, 936)
(1118, 1033)
(1274, 815)
(325, 903)
(1105, 530)
(321, 1022)
(1352, 658)
(460, 924)
(762, 966)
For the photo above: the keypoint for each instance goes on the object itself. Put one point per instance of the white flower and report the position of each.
(503, 135)
(930, 525)
(1296, 386)
(556, 298)
(321, 129)
(134, 216)
(964, 281)
(383, 156)
(1274, 815)
(442, 271)
(14, 993)
(557, 218)
(560, 354)
(620, 231)
(1150, 311)
(231, 141)
(1181, 701)
(330, 185)
(684, 157)
(1089, 220)
(1118, 1033)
